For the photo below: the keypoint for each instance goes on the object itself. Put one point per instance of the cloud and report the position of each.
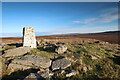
(76, 21)
(109, 15)
(84, 29)
(86, 21)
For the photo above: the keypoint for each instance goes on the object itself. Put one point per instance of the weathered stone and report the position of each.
(89, 68)
(98, 56)
(12, 67)
(33, 60)
(5, 46)
(44, 74)
(51, 74)
(1, 52)
(93, 57)
(77, 55)
(29, 37)
(16, 52)
(61, 49)
(33, 76)
(71, 73)
(61, 63)
(84, 69)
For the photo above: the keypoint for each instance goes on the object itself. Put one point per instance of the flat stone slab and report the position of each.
(14, 67)
(33, 60)
(17, 51)
(61, 63)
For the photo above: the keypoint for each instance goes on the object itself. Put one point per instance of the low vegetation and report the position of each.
(100, 60)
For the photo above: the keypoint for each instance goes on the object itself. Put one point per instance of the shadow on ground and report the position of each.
(16, 44)
(116, 59)
(48, 48)
(21, 75)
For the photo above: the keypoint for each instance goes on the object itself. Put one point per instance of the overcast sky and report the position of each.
(59, 17)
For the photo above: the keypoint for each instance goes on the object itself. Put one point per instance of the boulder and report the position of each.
(60, 63)
(16, 52)
(61, 49)
(33, 60)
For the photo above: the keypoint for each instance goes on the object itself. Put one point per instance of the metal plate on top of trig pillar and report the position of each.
(29, 39)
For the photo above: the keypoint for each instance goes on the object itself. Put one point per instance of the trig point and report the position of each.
(29, 37)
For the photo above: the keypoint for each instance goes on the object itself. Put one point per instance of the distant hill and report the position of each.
(110, 36)
(101, 33)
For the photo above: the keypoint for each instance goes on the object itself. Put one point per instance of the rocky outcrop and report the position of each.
(29, 61)
(60, 63)
(33, 60)
(17, 51)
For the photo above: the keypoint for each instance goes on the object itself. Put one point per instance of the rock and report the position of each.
(98, 56)
(60, 63)
(71, 73)
(12, 67)
(93, 57)
(61, 49)
(33, 60)
(77, 55)
(1, 52)
(44, 74)
(33, 76)
(84, 69)
(16, 52)
(62, 71)
(5, 46)
(89, 68)
(51, 74)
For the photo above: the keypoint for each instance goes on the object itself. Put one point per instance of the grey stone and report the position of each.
(61, 49)
(16, 52)
(93, 57)
(84, 69)
(44, 74)
(61, 63)
(5, 46)
(33, 76)
(12, 67)
(29, 39)
(71, 73)
(33, 60)
(89, 67)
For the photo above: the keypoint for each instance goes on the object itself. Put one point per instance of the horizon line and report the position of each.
(65, 34)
